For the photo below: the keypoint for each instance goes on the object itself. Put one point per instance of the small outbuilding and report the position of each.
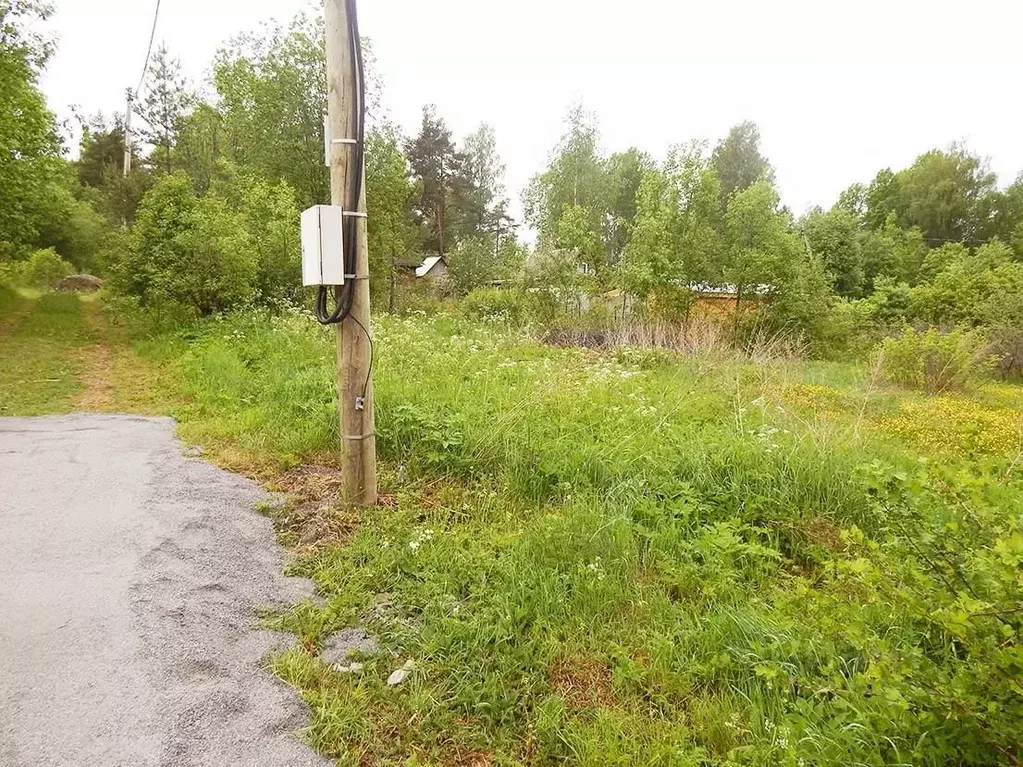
(433, 268)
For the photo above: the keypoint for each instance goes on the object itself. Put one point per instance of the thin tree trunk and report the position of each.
(440, 225)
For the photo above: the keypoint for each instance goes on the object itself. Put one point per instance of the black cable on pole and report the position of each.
(346, 294)
(149, 52)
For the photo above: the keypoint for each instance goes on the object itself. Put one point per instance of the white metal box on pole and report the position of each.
(323, 260)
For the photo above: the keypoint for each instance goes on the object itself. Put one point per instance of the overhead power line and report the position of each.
(149, 52)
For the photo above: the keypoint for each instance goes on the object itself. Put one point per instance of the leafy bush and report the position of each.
(949, 567)
(474, 263)
(495, 304)
(74, 229)
(1004, 316)
(847, 331)
(268, 225)
(969, 288)
(11, 273)
(934, 361)
(212, 253)
(43, 268)
(1007, 347)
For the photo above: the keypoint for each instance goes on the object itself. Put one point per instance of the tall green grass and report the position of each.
(634, 558)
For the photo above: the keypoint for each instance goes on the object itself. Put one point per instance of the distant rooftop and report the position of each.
(427, 265)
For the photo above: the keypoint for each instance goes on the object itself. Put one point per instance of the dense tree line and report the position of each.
(43, 205)
(222, 173)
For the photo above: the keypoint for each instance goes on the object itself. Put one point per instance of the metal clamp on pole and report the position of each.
(360, 436)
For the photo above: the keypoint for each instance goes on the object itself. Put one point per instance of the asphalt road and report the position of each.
(130, 579)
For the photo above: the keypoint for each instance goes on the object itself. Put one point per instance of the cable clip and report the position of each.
(354, 214)
(344, 141)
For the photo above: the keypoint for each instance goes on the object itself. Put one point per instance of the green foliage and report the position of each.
(949, 565)
(393, 236)
(971, 288)
(676, 238)
(759, 247)
(889, 304)
(74, 227)
(568, 202)
(625, 173)
(833, 237)
(197, 145)
(28, 141)
(941, 192)
(101, 151)
(583, 203)
(934, 361)
(44, 268)
(40, 270)
(272, 97)
(481, 205)
(439, 169)
(268, 224)
(211, 253)
(738, 162)
(848, 330)
(495, 304)
(894, 252)
(461, 191)
(555, 283)
(477, 262)
(163, 106)
(949, 196)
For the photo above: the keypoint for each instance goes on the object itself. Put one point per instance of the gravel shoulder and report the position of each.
(130, 581)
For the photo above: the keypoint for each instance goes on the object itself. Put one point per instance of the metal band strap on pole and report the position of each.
(358, 437)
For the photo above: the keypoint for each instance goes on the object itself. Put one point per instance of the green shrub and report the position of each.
(237, 245)
(43, 268)
(11, 273)
(185, 250)
(1003, 314)
(495, 304)
(848, 330)
(1007, 348)
(934, 361)
(268, 228)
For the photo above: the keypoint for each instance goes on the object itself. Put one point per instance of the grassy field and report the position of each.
(609, 558)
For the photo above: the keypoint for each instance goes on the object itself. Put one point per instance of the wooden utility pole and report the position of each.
(354, 348)
(127, 135)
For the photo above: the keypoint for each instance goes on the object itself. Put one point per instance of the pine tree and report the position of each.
(164, 106)
(441, 170)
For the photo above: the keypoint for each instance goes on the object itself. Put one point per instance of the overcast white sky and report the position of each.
(839, 90)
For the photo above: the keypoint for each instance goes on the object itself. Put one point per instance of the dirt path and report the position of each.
(97, 376)
(130, 580)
